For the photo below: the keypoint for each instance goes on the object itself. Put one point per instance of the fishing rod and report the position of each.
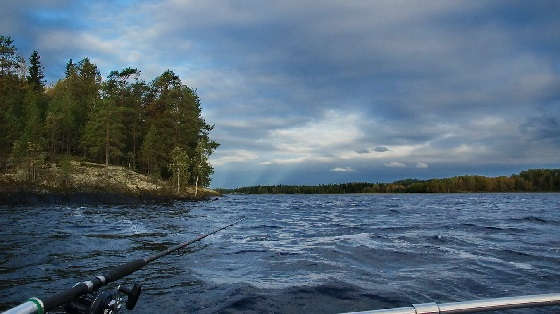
(82, 297)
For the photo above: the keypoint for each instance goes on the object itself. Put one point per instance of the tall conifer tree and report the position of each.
(9, 62)
(35, 75)
(70, 69)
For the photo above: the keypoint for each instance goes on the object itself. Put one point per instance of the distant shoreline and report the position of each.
(221, 191)
(532, 180)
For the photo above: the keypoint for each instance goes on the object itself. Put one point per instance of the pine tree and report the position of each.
(79, 92)
(61, 119)
(36, 76)
(153, 151)
(9, 61)
(136, 119)
(86, 87)
(33, 119)
(104, 133)
(12, 93)
(29, 150)
(70, 69)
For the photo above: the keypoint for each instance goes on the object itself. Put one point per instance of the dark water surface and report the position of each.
(294, 253)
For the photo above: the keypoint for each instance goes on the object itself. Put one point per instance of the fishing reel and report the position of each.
(105, 302)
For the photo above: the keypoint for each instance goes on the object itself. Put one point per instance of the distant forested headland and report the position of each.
(533, 180)
(153, 128)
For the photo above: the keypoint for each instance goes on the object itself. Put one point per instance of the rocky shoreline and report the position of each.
(86, 183)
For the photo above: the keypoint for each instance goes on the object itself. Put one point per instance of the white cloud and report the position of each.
(297, 160)
(335, 128)
(395, 164)
(339, 169)
(469, 150)
(233, 156)
(412, 85)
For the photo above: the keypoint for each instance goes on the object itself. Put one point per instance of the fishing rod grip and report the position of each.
(88, 286)
(53, 302)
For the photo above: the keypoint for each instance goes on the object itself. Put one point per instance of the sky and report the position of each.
(318, 92)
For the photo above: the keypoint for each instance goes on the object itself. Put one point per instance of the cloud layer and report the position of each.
(303, 92)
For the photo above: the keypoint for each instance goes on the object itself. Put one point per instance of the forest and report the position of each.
(155, 128)
(533, 180)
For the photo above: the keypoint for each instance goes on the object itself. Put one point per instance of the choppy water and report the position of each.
(294, 253)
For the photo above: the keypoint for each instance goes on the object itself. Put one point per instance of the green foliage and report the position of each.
(29, 157)
(12, 94)
(104, 133)
(534, 180)
(62, 119)
(120, 120)
(153, 152)
(70, 69)
(66, 172)
(179, 165)
(36, 77)
(200, 167)
(10, 63)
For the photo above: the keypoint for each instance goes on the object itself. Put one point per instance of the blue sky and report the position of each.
(310, 92)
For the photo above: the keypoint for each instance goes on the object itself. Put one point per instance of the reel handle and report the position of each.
(132, 293)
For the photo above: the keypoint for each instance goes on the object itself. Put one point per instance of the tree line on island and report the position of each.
(533, 180)
(155, 128)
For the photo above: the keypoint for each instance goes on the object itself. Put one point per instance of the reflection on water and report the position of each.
(294, 253)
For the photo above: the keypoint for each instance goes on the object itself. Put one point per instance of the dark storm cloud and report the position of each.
(381, 149)
(546, 129)
(29, 22)
(306, 86)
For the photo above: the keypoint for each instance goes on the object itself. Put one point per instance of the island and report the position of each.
(109, 138)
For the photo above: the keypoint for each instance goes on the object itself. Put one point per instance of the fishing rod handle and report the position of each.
(36, 305)
(33, 305)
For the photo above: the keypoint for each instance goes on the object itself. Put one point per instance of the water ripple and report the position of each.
(294, 253)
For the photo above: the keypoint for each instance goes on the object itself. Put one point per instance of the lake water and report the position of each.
(294, 253)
